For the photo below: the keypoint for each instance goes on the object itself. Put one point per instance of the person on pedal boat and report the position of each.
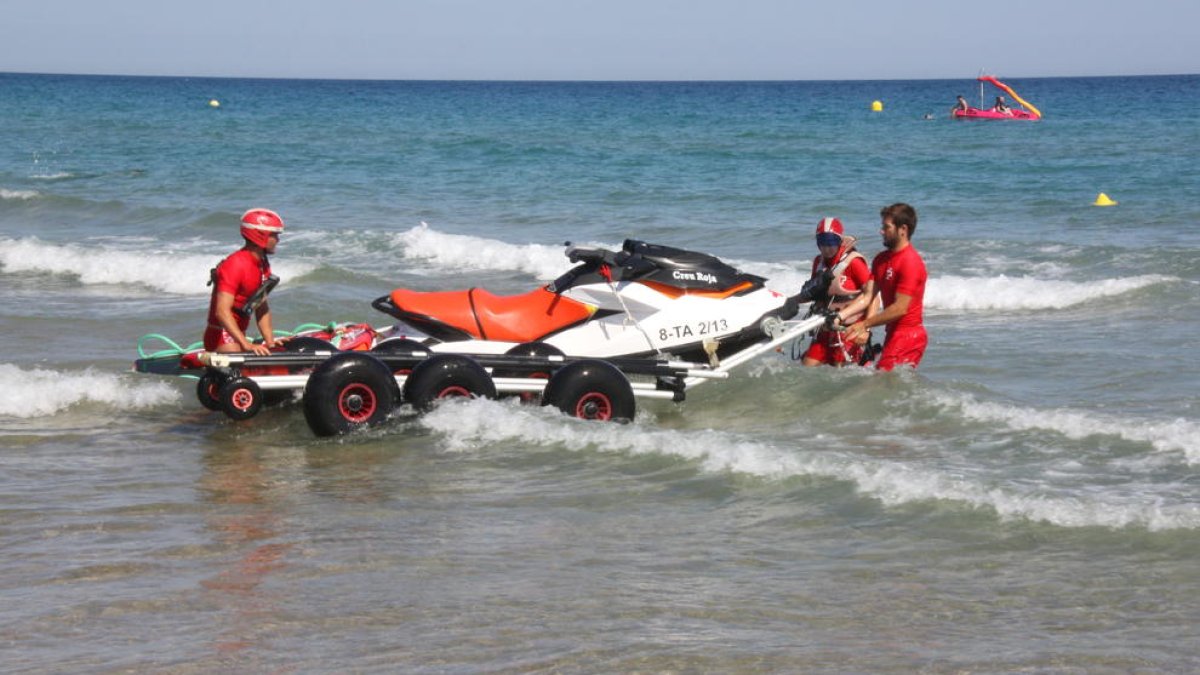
(240, 284)
(839, 273)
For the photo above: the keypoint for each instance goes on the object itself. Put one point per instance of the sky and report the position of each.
(602, 39)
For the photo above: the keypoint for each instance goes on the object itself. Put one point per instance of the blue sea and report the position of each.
(1027, 501)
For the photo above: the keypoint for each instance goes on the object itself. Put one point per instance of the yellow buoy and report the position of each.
(214, 103)
(876, 106)
(1103, 200)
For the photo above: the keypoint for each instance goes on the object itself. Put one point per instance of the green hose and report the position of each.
(173, 348)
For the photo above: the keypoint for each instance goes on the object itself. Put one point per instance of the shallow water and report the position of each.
(1028, 500)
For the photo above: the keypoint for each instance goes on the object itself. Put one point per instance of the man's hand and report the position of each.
(857, 332)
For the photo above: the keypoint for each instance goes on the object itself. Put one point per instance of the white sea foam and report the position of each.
(896, 484)
(18, 194)
(58, 175)
(469, 425)
(38, 392)
(1026, 293)
(1177, 435)
(456, 252)
(173, 272)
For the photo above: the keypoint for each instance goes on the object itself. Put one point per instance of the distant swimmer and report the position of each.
(240, 284)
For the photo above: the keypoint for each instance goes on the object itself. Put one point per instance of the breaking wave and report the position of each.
(38, 392)
(169, 271)
(479, 423)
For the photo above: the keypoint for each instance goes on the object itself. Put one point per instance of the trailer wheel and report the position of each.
(241, 398)
(447, 376)
(529, 349)
(208, 390)
(399, 345)
(307, 344)
(591, 390)
(347, 391)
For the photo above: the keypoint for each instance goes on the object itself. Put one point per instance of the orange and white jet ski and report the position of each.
(643, 300)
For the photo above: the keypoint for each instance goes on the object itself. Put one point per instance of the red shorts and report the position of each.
(829, 348)
(215, 337)
(903, 347)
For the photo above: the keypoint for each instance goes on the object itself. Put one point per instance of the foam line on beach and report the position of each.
(467, 425)
(19, 194)
(1169, 435)
(37, 392)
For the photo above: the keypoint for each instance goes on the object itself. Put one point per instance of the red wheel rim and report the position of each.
(454, 391)
(357, 403)
(594, 406)
(241, 399)
(214, 392)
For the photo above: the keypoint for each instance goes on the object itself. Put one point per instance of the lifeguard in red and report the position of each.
(240, 275)
(902, 273)
(240, 284)
(897, 287)
(847, 274)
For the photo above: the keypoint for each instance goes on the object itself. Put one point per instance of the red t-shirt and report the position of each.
(241, 274)
(901, 272)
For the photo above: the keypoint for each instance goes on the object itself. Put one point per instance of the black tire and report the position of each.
(241, 398)
(592, 390)
(307, 344)
(446, 376)
(208, 390)
(277, 397)
(529, 349)
(398, 345)
(348, 391)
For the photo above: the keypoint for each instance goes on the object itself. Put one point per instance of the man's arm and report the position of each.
(889, 314)
(263, 314)
(224, 312)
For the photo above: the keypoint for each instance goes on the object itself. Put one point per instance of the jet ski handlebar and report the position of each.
(590, 254)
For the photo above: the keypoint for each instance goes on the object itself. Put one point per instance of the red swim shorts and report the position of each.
(903, 347)
(829, 348)
(215, 337)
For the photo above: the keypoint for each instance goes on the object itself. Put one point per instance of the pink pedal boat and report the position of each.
(1026, 112)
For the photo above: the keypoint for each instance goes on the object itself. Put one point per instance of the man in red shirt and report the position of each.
(240, 286)
(898, 279)
(839, 275)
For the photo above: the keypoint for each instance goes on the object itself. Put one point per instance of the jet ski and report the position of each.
(644, 300)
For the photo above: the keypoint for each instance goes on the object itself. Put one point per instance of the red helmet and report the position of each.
(832, 225)
(259, 224)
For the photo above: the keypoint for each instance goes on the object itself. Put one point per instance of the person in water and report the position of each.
(839, 274)
(240, 285)
(898, 279)
(1001, 107)
(961, 104)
